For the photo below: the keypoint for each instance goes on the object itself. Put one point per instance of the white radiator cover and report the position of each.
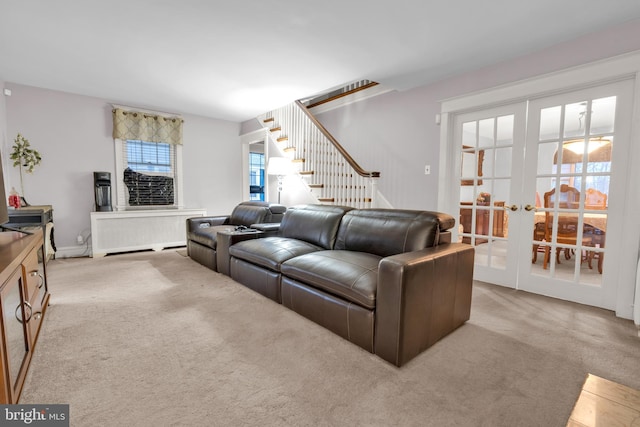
(123, 231)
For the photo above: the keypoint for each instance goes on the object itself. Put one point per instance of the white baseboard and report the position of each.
(73, 251)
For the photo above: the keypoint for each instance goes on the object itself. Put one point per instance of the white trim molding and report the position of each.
(592, 74)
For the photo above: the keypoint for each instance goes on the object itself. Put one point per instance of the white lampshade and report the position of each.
(279, 166)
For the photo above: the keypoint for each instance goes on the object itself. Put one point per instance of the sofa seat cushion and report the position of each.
(350, 275)
(207, 236)
(271, 252)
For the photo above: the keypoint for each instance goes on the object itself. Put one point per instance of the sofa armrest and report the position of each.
(267, 227)
(206, 221)
(421, 297)
(445, 237)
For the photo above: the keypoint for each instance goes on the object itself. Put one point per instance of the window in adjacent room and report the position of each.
(256, 176)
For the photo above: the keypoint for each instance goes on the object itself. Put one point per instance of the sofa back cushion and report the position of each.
(386, 232)
(276, 213)
(247, 214)
(315, 224)
(256, 212)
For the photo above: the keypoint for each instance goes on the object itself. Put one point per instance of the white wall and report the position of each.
(396, 133)
(3, 132)
(73, 134)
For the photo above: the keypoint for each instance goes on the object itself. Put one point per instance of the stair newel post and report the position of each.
(373, 191)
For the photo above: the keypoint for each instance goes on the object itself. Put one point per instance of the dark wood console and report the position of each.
(482, 220)
(24, 297)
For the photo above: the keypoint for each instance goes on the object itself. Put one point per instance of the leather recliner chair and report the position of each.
(202, 232)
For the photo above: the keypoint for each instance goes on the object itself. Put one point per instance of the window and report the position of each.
(143, 156)
(256, 176)
(148, 148)
(156, 167)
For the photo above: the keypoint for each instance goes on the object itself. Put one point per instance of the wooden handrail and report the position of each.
(336, 144)
(342, 95)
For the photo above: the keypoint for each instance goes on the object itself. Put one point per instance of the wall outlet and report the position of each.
(80, 239)
(427, 169)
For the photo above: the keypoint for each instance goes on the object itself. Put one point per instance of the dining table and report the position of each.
(597, 232)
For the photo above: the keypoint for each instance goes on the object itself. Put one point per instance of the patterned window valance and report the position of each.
(146, 127)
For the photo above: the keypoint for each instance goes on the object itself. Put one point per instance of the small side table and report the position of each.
(227, 238)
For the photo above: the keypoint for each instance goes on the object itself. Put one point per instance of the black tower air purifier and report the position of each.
(102, 187)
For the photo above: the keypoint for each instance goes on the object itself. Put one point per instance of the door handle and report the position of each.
(530, 208)
(511, 208)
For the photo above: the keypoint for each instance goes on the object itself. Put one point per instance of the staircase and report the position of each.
(327, 170)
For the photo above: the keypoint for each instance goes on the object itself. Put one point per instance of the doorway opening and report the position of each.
(256, 172)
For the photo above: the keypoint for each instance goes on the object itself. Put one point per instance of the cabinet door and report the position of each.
(36, 288)
(16, 344)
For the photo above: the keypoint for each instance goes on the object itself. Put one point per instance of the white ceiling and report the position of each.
(236, 59)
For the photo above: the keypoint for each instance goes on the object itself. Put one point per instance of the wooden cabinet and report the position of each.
(24, 297)
(482, 220)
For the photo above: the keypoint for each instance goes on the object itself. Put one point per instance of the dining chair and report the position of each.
(567, 227)
(594, 199)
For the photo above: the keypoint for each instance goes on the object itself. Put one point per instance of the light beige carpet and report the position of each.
(155, 339)
(182, 252)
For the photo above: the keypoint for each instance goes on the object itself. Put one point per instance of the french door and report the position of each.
(541, 191)
(492, 146)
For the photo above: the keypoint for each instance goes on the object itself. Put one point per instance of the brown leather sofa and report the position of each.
(387, 280)
(202, 232)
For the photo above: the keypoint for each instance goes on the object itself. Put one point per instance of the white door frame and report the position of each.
(593, 74)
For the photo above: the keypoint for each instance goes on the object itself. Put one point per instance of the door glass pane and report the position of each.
(550, 123)
(603, 115)
(469, 166)
(575, 117)
(469, 134)
(503, 158)
(547, 156)
(504, 132)
(488, 156)
(486, 131)
(500, 197)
